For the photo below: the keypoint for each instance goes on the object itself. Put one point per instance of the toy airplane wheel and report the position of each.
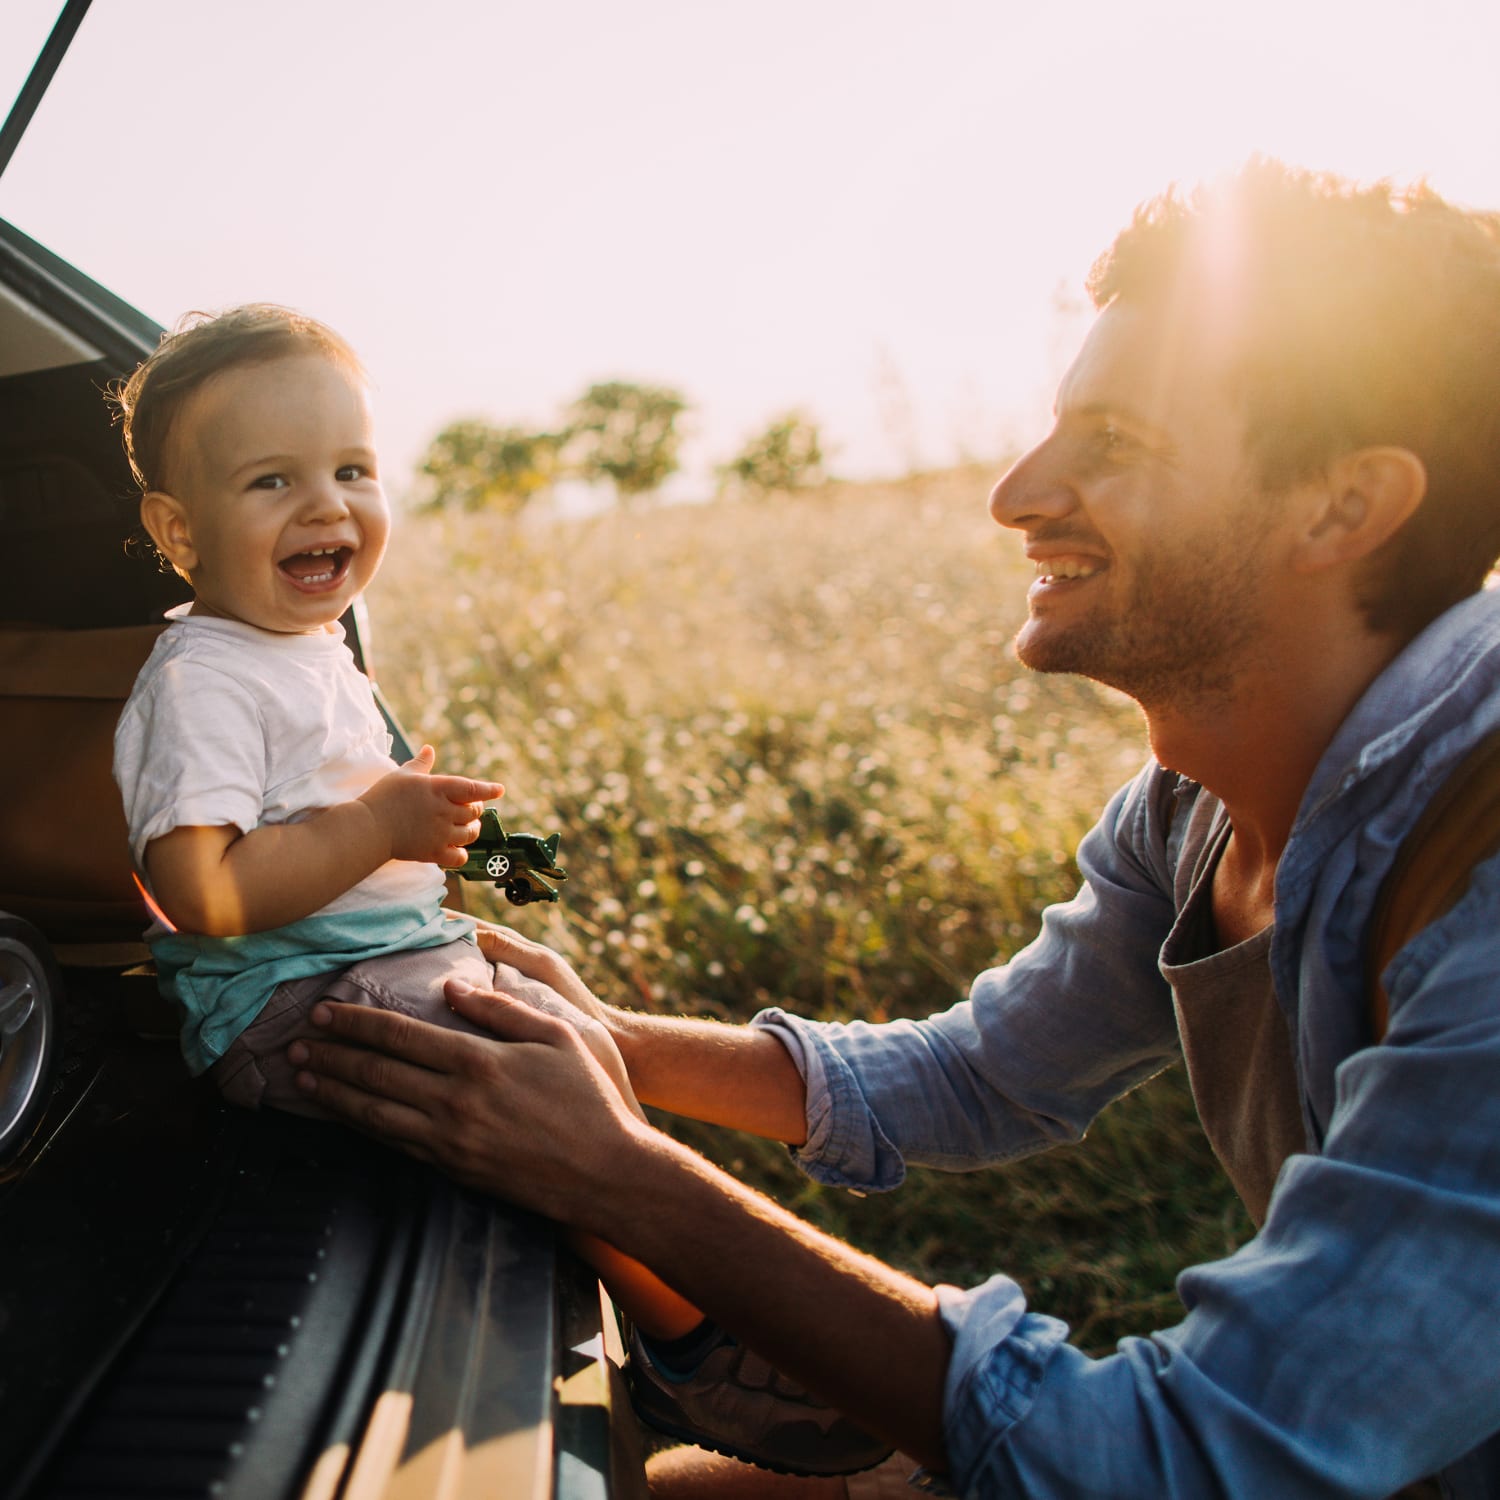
(497, 866)
(518, 893)
(30, 995)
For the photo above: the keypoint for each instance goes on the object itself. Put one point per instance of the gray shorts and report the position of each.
(254, 1072)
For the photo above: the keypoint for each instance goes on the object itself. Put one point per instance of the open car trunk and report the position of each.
(195, 1301)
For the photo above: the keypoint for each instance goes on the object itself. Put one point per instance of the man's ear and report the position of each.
(166, 519)
(1363, 499)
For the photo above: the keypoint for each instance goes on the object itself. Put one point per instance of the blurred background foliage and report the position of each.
(787, 455)
(618, 433)
(473, 465)
(794, 762)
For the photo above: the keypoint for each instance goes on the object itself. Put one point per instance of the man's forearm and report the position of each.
(861, 1335)
(728, 1075)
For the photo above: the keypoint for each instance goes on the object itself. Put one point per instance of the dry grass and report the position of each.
(794, 762)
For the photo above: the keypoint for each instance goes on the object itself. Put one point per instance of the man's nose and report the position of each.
(1032, 489)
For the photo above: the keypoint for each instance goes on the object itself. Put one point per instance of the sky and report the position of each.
(879, 212)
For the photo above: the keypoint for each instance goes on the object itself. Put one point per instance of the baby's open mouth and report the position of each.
(323, 567)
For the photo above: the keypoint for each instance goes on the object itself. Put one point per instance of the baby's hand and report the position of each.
(426, 817)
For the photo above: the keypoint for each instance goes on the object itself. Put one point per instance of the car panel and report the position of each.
(192, 1299)
(41, 284)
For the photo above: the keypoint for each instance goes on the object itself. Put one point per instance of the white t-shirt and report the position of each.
(228, 725)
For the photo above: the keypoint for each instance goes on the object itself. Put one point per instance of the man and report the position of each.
(1265, 511)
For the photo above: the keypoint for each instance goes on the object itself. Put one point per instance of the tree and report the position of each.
(474, 465)
(625, 433)
(787, 455)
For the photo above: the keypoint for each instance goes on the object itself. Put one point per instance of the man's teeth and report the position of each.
(1066, 567)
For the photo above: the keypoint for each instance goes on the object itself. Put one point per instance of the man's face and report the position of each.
(1149, 532)
(273, 471)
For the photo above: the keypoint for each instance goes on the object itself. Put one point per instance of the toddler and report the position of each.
(288, 858)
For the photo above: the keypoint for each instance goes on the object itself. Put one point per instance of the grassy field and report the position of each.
(794, 762)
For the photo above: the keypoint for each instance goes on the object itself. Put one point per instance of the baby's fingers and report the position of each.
(466, 789)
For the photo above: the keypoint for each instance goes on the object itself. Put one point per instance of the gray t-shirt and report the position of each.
(1235, 1041)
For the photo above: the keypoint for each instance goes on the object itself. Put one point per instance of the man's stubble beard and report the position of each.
(1189, 628)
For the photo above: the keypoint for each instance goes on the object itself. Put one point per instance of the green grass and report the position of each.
(794, 762)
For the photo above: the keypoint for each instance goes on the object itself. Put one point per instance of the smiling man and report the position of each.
(1265, 510)
(1143, 518)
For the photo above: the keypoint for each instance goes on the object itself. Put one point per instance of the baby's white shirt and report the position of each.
(231, 725)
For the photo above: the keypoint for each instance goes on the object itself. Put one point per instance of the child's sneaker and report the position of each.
(736, 1404)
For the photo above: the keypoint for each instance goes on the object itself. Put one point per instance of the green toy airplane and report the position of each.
(520, 864)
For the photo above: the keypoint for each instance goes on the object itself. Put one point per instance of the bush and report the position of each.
(472, 465)
(627, 434)
(787, 456)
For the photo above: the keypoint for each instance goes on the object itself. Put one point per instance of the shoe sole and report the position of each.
(698, 1439)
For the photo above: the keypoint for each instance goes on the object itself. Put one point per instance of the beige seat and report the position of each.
(64, 860)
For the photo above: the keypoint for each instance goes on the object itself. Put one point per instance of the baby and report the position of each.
(287, 856)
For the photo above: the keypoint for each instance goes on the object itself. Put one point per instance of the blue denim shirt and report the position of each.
(1353, 1345)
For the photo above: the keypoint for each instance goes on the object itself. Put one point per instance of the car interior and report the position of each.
(196, 1300)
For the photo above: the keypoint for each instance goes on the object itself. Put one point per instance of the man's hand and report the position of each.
(504, 945)
(728, 1075)
(429, 818)
(537, 1121)
(602, 1027)
(476, 1005)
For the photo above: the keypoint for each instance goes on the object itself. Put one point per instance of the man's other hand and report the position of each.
(538, 1121)
(504, 945)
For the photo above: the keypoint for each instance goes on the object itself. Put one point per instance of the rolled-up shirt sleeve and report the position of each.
(845, 1146)
(1040, 1046)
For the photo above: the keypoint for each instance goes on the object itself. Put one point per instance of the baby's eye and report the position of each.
(348, 473)
(268, 482)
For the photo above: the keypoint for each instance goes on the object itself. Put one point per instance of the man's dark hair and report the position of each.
(1369, 316)
(202, 346)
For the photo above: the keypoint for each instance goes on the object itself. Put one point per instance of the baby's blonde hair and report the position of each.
(202, 346)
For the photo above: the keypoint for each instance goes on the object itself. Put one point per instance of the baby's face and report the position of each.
(273, 468)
